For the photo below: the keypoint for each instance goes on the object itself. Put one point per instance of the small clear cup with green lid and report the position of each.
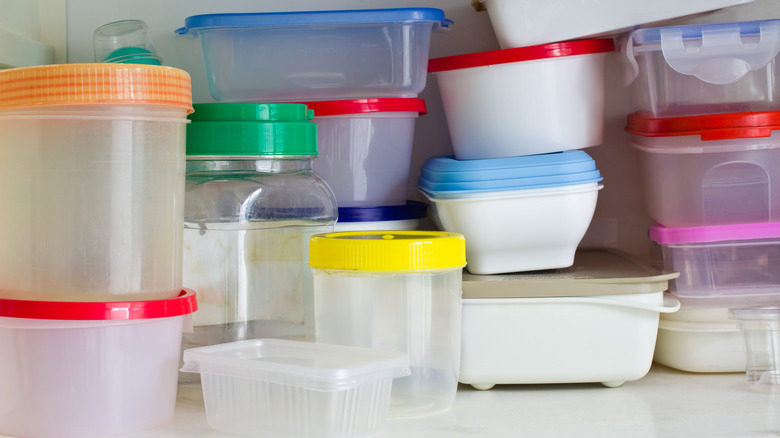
(398, 291)
(251, 204)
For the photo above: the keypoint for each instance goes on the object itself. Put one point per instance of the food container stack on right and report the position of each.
(706, 133)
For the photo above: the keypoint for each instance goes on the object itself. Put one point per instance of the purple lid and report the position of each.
(715, 233)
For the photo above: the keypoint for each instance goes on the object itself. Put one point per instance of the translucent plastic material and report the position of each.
(700, 347)
(417, 312)
(126, 41)
(761, 328)
(246, 240)
(705, 69)
(94, 199)
(79, 379)
(280, 388)
(366, 158)
(687, 182)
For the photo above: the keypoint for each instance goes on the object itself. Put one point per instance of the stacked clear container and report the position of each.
(706, 131)
(252, 202)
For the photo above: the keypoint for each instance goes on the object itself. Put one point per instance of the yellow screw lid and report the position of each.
(387, 251)
(76, 84)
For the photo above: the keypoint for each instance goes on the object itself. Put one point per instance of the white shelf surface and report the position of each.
(665, 403)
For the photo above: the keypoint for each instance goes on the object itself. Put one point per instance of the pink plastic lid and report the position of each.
(377, 105)
(185, 303)
(715, 233)
(726, 126)
(552, 50)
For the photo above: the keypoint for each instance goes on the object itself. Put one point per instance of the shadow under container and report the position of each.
(252, 203)
(397, 291)
(92, 176)
(89, 369)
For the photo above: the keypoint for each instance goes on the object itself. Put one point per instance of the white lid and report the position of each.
(314, 366)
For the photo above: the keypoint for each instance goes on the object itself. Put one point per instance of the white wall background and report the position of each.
(619, 221)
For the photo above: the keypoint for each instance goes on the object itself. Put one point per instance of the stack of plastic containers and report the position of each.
(706, 131)
(91, 301)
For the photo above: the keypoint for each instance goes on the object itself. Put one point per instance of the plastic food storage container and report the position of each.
(317, 55)
(722, 265)
(761, 329)
(365, 148)
(520, 23)
(89, 369)
(704, 68)
(392, 217)
(283, 388)
(252, 202)
(709, 170)
(593, 322)
(518, 214)
(92, 174)
(700, 340)
(398, 291)
(524, 101)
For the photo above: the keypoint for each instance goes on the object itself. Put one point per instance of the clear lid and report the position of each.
(594, 272)
(314, 366)
(410, 210)
(760, 313)
(714, 233)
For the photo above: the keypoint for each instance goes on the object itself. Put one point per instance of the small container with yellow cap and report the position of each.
(92, 162)
(400, 291)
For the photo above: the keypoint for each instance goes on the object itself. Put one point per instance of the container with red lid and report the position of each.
(365, 148)
(524, 101)
(720, 169)
(88, 369)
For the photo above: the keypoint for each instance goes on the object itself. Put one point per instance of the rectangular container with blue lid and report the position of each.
(317, 55)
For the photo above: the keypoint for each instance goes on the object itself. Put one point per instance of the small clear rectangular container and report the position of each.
(761, 328)
(284, 388)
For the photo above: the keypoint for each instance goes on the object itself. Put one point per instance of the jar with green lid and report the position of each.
(251, 204)
(399, 291)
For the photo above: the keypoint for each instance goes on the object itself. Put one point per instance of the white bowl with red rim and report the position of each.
(524, 101)
(88, 369)
(365, 148)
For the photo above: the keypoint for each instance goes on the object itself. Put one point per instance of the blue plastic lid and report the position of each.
(694, 31)
(412, 210)
(446, 175)
(315, 18)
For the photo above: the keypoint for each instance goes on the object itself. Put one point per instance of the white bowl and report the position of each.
(700, 347)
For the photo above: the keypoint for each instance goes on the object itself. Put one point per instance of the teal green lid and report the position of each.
(251, 129)
(133, 55)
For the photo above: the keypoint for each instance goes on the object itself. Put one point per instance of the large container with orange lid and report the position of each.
(721, 169)
(92, 181)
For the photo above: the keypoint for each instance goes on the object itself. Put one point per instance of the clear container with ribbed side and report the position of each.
(397, 291)
(251, 204)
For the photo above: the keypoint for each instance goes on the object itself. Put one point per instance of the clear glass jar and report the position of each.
(251, 204)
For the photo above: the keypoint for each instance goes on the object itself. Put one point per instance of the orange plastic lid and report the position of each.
(725, 126)
(106, 83)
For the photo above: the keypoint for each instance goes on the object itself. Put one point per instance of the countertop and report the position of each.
(664, 403)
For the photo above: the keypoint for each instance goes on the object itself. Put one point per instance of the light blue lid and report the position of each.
(446, 175)
(694, 31)
(196, 23)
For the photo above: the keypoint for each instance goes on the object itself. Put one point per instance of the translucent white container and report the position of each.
(704, 68)
(761, 329)
(283, 388)
(392, 217)
(700, 347)
(365, 148)
(722, 265)
(92, 161)
(593, 322)
(317, 55)
(89, 369)
(709, 170)
(524, 101)
(518, 214)
(398, 291)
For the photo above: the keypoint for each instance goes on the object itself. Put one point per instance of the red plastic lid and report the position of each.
(709, 127)
(552, 50)
(357, 106)
(183, 304)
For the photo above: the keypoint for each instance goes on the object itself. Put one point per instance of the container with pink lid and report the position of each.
(724, 264)
(524, 101)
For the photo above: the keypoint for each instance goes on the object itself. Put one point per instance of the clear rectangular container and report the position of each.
(283, 388)
(317, 55)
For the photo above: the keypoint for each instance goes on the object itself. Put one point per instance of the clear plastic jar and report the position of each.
(251, 204)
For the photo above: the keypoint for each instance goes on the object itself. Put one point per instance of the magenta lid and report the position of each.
(184, 304)
(715, 233)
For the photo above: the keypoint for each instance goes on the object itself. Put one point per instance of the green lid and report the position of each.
(251, 129)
